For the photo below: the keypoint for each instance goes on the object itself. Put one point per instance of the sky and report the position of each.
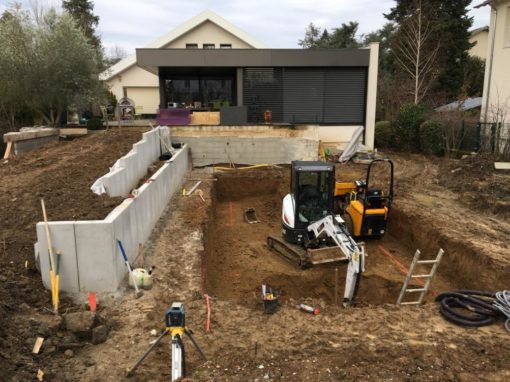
(132, 24)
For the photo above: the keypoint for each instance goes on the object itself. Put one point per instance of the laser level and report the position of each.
(175, 321)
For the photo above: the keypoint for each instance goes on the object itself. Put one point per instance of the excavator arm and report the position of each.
(334, 228)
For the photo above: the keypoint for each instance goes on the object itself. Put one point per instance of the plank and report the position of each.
(502, 165)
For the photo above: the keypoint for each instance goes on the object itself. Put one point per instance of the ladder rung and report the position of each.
(410, 303)
(415, 290)
(421, 276)
(427, 261)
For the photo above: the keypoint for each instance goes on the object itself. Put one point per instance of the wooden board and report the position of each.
(502, 165)
(73, 131)
(205, 118)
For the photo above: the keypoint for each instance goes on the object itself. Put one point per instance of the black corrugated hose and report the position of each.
(475, 308)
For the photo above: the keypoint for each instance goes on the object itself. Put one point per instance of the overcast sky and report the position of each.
(276, 23)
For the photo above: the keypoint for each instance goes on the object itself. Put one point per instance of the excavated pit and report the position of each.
(238, 261)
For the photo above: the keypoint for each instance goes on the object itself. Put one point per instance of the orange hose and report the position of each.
(402, 267)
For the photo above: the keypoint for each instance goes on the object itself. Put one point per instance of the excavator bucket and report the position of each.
(250, 216)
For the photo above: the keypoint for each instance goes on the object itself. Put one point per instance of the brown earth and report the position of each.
(202, 247)
(61, 173)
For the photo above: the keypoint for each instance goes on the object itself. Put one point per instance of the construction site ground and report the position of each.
(206, 247)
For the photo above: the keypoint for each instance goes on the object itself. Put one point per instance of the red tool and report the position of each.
(308, 309)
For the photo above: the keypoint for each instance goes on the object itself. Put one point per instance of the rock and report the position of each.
(99, 334)
(80, 323)
(69, 353)
(89, 362)
(49, 325)
(3, 278)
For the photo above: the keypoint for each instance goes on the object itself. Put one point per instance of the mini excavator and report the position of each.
(312, 234)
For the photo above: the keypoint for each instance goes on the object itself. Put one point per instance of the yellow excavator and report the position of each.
(363, 207)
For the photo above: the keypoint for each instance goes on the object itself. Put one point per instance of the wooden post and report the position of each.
(8, 150)
(336, 286)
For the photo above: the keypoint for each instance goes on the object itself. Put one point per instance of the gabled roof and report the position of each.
(166, 39)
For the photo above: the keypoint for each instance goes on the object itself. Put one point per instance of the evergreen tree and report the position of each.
(82, 12)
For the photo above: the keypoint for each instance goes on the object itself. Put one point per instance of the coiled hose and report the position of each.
(475, 308)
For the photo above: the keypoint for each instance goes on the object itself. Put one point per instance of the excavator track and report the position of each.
(290, 252)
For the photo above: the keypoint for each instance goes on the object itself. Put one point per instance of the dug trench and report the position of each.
(238, 261)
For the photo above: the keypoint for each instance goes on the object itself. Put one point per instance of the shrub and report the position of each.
(431, 137)
(95, 123)
(384, 135)
(407, 126)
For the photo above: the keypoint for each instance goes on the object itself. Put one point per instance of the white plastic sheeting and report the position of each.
(353, 146)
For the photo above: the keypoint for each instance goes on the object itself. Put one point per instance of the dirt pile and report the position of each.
(61, 173)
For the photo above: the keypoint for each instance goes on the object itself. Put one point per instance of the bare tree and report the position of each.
(416, 53)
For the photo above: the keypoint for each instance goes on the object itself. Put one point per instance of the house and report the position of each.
(209, 65)
(496, 90)
(205, 31)
(479, 37)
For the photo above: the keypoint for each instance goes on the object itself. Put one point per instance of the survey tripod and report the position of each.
(176, 327)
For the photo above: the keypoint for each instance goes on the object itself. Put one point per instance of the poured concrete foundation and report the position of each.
(248, 144)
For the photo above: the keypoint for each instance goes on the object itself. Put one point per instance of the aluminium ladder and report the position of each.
(423, 291)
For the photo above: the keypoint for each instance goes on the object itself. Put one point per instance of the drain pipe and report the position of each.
(491, 58)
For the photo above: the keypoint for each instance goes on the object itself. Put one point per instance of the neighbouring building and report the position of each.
(479, 37)
(496, 90)
(208, 65)
(204, 31)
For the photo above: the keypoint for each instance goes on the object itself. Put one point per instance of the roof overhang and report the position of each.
(488, 2)
(152, 59)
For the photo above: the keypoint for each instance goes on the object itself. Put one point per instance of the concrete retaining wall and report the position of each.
(128, 170)
(91, 259)
(248, 144)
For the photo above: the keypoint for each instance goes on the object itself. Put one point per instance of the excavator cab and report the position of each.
(366, 203)
(310, 199)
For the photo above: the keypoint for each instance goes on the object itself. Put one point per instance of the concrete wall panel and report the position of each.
(133, 166)
(92, 261)
(62, 238)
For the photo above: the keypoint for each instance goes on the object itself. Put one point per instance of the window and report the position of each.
(208, 46)
(225, 46)
(191, 46)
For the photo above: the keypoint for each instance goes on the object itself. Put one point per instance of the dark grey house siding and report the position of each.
(306, 95)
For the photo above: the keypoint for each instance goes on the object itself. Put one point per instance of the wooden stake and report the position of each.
(50, 253)
(8, 150)
(336, 286)
(37, 346)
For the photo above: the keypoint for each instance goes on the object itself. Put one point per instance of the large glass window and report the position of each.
(212, 93)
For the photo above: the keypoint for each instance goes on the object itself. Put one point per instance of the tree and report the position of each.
(344, 36)
(114, 55)
(384, 37)
(65, 69)
(311, 38)
(473, 76)
(16, 34)
(46, 64)
(341, 37)
(416, 52)
(449, 27)
(82, 12)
